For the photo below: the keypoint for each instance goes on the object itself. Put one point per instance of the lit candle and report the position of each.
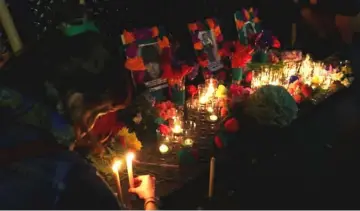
(116, 167)
(210, 109)
(129, 161)
(203, 100)
(213, 118)
(164, 149)
(177, 129)
(188, 142)
(211, 177)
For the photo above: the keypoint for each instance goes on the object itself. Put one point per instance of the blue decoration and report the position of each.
(293, 78)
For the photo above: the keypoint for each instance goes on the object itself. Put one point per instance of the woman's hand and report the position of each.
(144, 187)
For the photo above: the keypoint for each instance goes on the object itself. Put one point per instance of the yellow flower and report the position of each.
(221, 91)
(130, 139)
(337, 76)
(346, 82)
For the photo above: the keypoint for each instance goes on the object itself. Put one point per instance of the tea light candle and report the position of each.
(213, 118)
(177, 129)
(210, 109)
(188, 142)
(164, 149)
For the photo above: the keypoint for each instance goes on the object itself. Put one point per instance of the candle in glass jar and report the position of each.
(164, 149)
(177, 129)
(188, 142)
(213, 118)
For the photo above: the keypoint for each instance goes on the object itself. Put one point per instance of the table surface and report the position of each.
(170, 174)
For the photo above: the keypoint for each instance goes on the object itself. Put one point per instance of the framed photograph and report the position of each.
(207, 39)
(247, 25)
(143, 49)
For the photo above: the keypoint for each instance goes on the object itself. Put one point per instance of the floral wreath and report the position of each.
(132, 40)
(195, 28)
(242, 19)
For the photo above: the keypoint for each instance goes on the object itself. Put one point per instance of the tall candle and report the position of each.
(116, 167)
(129, 161)
(211, 177)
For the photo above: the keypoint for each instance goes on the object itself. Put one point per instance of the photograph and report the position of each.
(210, 48)
(151, 56)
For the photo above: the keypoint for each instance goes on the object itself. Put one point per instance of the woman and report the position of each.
(39, 171)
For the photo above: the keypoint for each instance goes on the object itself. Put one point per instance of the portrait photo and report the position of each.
(151, 56)
(207, 39)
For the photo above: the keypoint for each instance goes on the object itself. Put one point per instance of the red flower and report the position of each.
(203, 60)
(171, 112)
(164, 129)
(249, 77)
(297, 98)
(169, 104)
(276, 42)
(231, 125)
(218, 142)
(192, 90)
(306, 91)
(241, 56)
(223, 112)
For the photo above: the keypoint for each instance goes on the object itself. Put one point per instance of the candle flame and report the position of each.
(116, 166)
(163, 148)
(130, 156)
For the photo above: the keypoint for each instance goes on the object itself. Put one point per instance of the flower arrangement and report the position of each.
(132, 40)
(241, 56)
(126, 128)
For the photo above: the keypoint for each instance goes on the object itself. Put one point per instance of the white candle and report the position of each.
(213, 118)
(116, 167)
(129, 161)
(211, 177)
(163, 149)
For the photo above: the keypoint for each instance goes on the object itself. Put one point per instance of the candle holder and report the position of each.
(214, 116)
(177, 90)
(164, 148)
(176, 124)
(192, 109)
(202, 95)
(189, 129)
(237, 75)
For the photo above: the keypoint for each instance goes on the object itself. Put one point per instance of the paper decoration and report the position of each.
(143, 49)
(247, 25)
(207, 39)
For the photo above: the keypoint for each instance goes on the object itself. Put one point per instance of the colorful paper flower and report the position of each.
(275, 42)
(198, 46)
(192, 27)
(248, 77)
(135, 64)
(241, 56)
(218, 142)
(306, 91)
(297, 98)
(128, 37)
(203, 60)
(231, 125)
(155, 31)
(192, 90)
(224, 112)
(211, 23)
(164, 42)
(164, 129)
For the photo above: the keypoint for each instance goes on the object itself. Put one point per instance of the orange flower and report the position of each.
(297, 98)
(211, 23)
(128, 37)
(217, 31)
(198, 46)
(256, 20)
(192, 27)
(223, 112)
(135, 64)
(164, 42)
(239, 24)
(155, 31)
